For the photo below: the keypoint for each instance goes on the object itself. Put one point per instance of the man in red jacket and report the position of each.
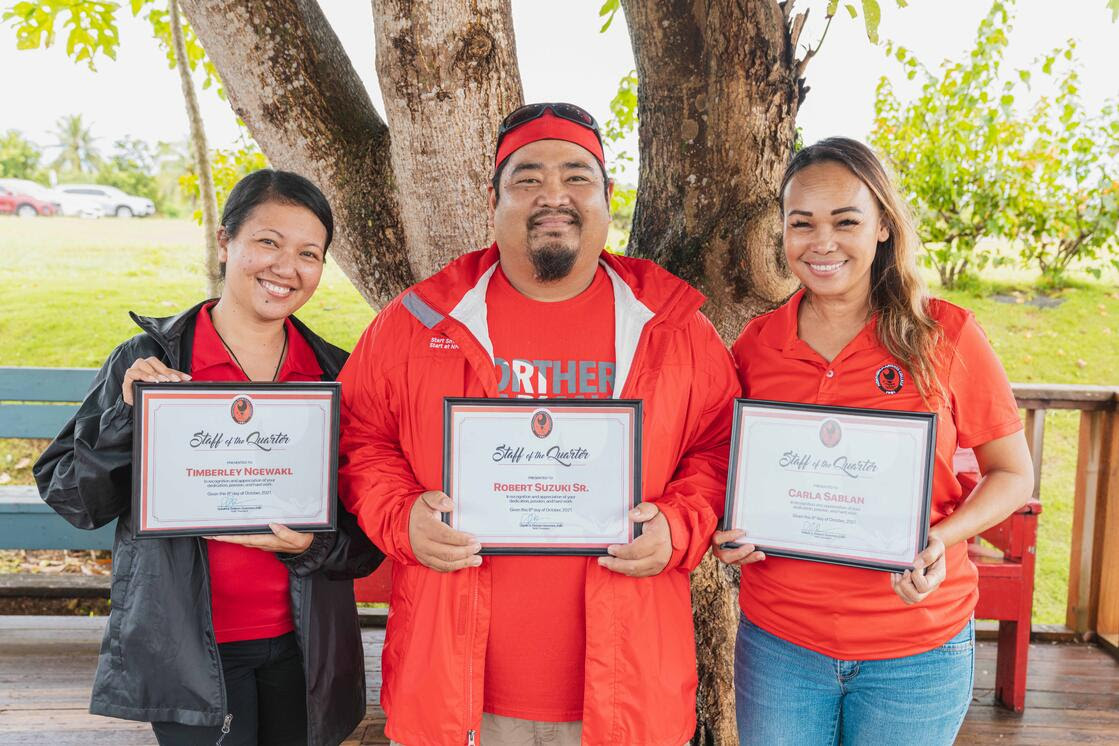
(504, 650)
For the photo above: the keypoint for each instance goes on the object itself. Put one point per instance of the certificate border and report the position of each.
(139, 411)
(728, 519)
(449, 404)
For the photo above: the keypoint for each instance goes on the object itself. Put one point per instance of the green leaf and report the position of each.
(608, 10)
(851, 10)
(833, 5)
(872, 15)
(1113, 5)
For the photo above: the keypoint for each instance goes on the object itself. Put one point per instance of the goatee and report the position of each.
(552, 262)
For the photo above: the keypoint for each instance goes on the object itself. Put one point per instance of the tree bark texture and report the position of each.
(717, 103)
(448, 74)
(201, 155)
(289, 79)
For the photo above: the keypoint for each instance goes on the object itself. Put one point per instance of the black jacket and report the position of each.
(159, 660)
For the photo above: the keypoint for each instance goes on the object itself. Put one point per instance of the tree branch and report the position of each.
(288, 77)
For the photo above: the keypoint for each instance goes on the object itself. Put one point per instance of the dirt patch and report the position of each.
(1038, 301)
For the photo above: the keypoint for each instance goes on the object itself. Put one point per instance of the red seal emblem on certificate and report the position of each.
(242, 410)
(541, 423)
(830, 433)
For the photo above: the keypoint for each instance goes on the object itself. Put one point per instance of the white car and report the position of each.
(70, 205)
(111, 199)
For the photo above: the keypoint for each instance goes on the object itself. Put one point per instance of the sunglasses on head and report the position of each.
(528, 112)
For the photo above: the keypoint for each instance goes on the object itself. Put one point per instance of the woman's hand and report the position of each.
(745, 554)
(151, 370)
(282, 539)
(929, 569)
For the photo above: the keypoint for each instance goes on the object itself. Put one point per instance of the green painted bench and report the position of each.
(36, 403)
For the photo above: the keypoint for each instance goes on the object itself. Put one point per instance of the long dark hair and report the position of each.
(898, 293)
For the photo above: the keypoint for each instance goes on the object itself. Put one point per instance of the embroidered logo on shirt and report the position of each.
(242, 410)
(442, 343)
(889, 379)
(541, 423)
(830, 433)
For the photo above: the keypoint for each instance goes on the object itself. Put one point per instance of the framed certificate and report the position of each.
(543, 476)
(230, 458)
(831, 484)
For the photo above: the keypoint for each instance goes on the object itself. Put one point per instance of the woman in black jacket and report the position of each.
(242, 639)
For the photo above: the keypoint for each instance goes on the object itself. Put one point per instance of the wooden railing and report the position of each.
(1092, 609)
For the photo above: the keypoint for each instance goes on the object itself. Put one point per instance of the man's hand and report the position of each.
(282, 539)
(649, 553)
(745, 554)
(435, 544)
(929, 569)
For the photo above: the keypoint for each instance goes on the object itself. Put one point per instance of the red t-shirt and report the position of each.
(537, 636)
(845, 612)
(249, 592)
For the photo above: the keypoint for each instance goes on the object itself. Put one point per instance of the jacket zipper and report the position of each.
(471, 733)
(213, 635)
(224, 729)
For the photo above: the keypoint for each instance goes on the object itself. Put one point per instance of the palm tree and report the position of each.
(77, 152)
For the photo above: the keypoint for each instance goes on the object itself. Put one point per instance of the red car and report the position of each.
(24, 205)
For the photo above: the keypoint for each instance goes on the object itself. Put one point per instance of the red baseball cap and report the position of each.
(577, 127)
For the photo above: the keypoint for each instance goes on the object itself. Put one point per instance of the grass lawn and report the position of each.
(66, 286)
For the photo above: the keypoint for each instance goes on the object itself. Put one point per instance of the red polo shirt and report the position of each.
(845, 612)
(249, 591)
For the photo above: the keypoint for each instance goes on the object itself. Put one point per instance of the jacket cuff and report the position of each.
(115, 425)
(679, 534)
(311, 558)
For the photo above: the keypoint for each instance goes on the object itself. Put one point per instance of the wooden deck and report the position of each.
(47, 664)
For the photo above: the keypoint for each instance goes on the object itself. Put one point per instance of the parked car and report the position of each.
(70, 205)
(112, 200)
(23, 204)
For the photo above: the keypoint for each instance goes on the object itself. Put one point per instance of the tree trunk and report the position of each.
(718, 97)
(717, 103)
(201, 155)
(448, 74)
(289, 79)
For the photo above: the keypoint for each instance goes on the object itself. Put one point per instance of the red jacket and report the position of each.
(433, 342)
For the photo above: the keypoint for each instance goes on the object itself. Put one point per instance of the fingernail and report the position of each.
(475, 547)
(475, 561)
(602, 561)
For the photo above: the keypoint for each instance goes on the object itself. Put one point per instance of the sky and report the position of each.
(562, 56)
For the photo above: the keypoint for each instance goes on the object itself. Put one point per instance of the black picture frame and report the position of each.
(449, 404)
(741, 406)
(138, 456)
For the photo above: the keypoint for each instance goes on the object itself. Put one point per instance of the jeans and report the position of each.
(787, 694)
(265, 693)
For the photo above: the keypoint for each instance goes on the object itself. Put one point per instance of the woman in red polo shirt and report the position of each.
(828, 653)
(238, 640)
